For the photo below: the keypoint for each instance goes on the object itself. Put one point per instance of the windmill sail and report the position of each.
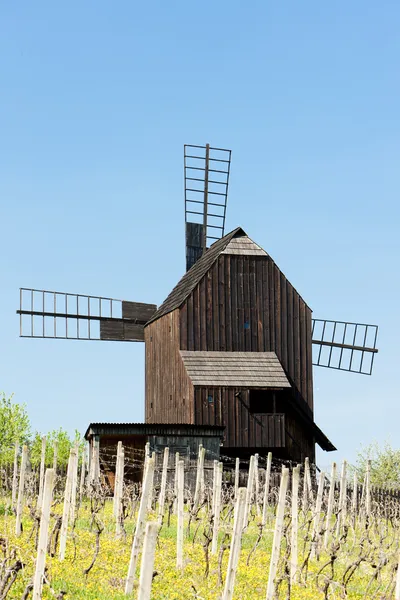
(344, 346)
(60, 315)
(206, 193)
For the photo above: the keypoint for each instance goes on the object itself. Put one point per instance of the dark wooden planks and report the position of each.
(139, 311)
(113, 329)
(169, 391)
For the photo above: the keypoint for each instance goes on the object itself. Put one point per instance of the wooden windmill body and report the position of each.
(232, 346)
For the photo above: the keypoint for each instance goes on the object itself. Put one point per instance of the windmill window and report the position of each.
(262, 401)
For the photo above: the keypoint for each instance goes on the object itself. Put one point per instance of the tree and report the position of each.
(14, 426)
(385, 465)
(64, 445)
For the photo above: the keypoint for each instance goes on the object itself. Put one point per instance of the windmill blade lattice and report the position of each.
(344, 346)
(206, 172)
(61, 315)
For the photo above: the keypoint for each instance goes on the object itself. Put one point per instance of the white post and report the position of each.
(317, 514)
(197, 485)
(307, 485)
(147, 565)
(331, 499)
(276, 544)
(15, 475)
(120, 491)
(295, 523)
(74, 484)
(67, 505)
(176, 483)
(116, 479)
(368, 489)
(96, 465)
(202, 485)
(342, 498)
(250, 482)
(217, 508)
(55, 456)
(198, 492)
(83, 471)
(266, 488)
(235, 544)
(215, 468)
(179, 538)
(161, 499)
(43, 534)
(257, 485)
(354, 503)
(237, 471)
(150, 498)
(41, 473)
(147, 483)
(20, 501)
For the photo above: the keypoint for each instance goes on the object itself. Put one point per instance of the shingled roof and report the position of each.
(189, 281)
(235, 369)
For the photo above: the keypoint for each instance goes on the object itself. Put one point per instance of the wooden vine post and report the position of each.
(295, 524)
(276, 544)
(119, 492)
(342, 499)
(317, 515)
(147, 564)
(20, 501)
(266, 488)
(256, 485)
(237, 473)
(82, 479)
(116, 479)
(179, 537)
(55, 456)
(15, 475)
(140, 524)
(217, 508)
(74, 484)
(199, 488)
(161, 499)
(249, 494)
(368, 490)
(67, 504)
(41, 472)
(175, 509)
(331, 499)
(234, 553)
(43, 533)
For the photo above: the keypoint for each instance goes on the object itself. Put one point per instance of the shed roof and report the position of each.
(235, 369)
(176, 429)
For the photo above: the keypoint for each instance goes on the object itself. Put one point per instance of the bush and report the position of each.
(385, 465)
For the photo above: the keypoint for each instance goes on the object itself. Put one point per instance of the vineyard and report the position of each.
(194, 531)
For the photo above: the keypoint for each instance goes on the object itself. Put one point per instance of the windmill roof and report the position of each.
(189, 281)
(235, 369)
(237, 242)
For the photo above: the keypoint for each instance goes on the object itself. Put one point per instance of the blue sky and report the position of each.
(97, 100)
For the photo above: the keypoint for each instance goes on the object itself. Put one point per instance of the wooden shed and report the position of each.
(231, 347)
(182, 438)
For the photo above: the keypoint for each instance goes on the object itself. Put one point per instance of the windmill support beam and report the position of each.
(345, 346)
(38, 313)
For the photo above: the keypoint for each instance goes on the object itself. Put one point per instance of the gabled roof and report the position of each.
(244, 246)
(189, 281)
(235, 369)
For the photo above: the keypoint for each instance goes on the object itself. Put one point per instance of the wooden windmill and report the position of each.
(233, 345)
